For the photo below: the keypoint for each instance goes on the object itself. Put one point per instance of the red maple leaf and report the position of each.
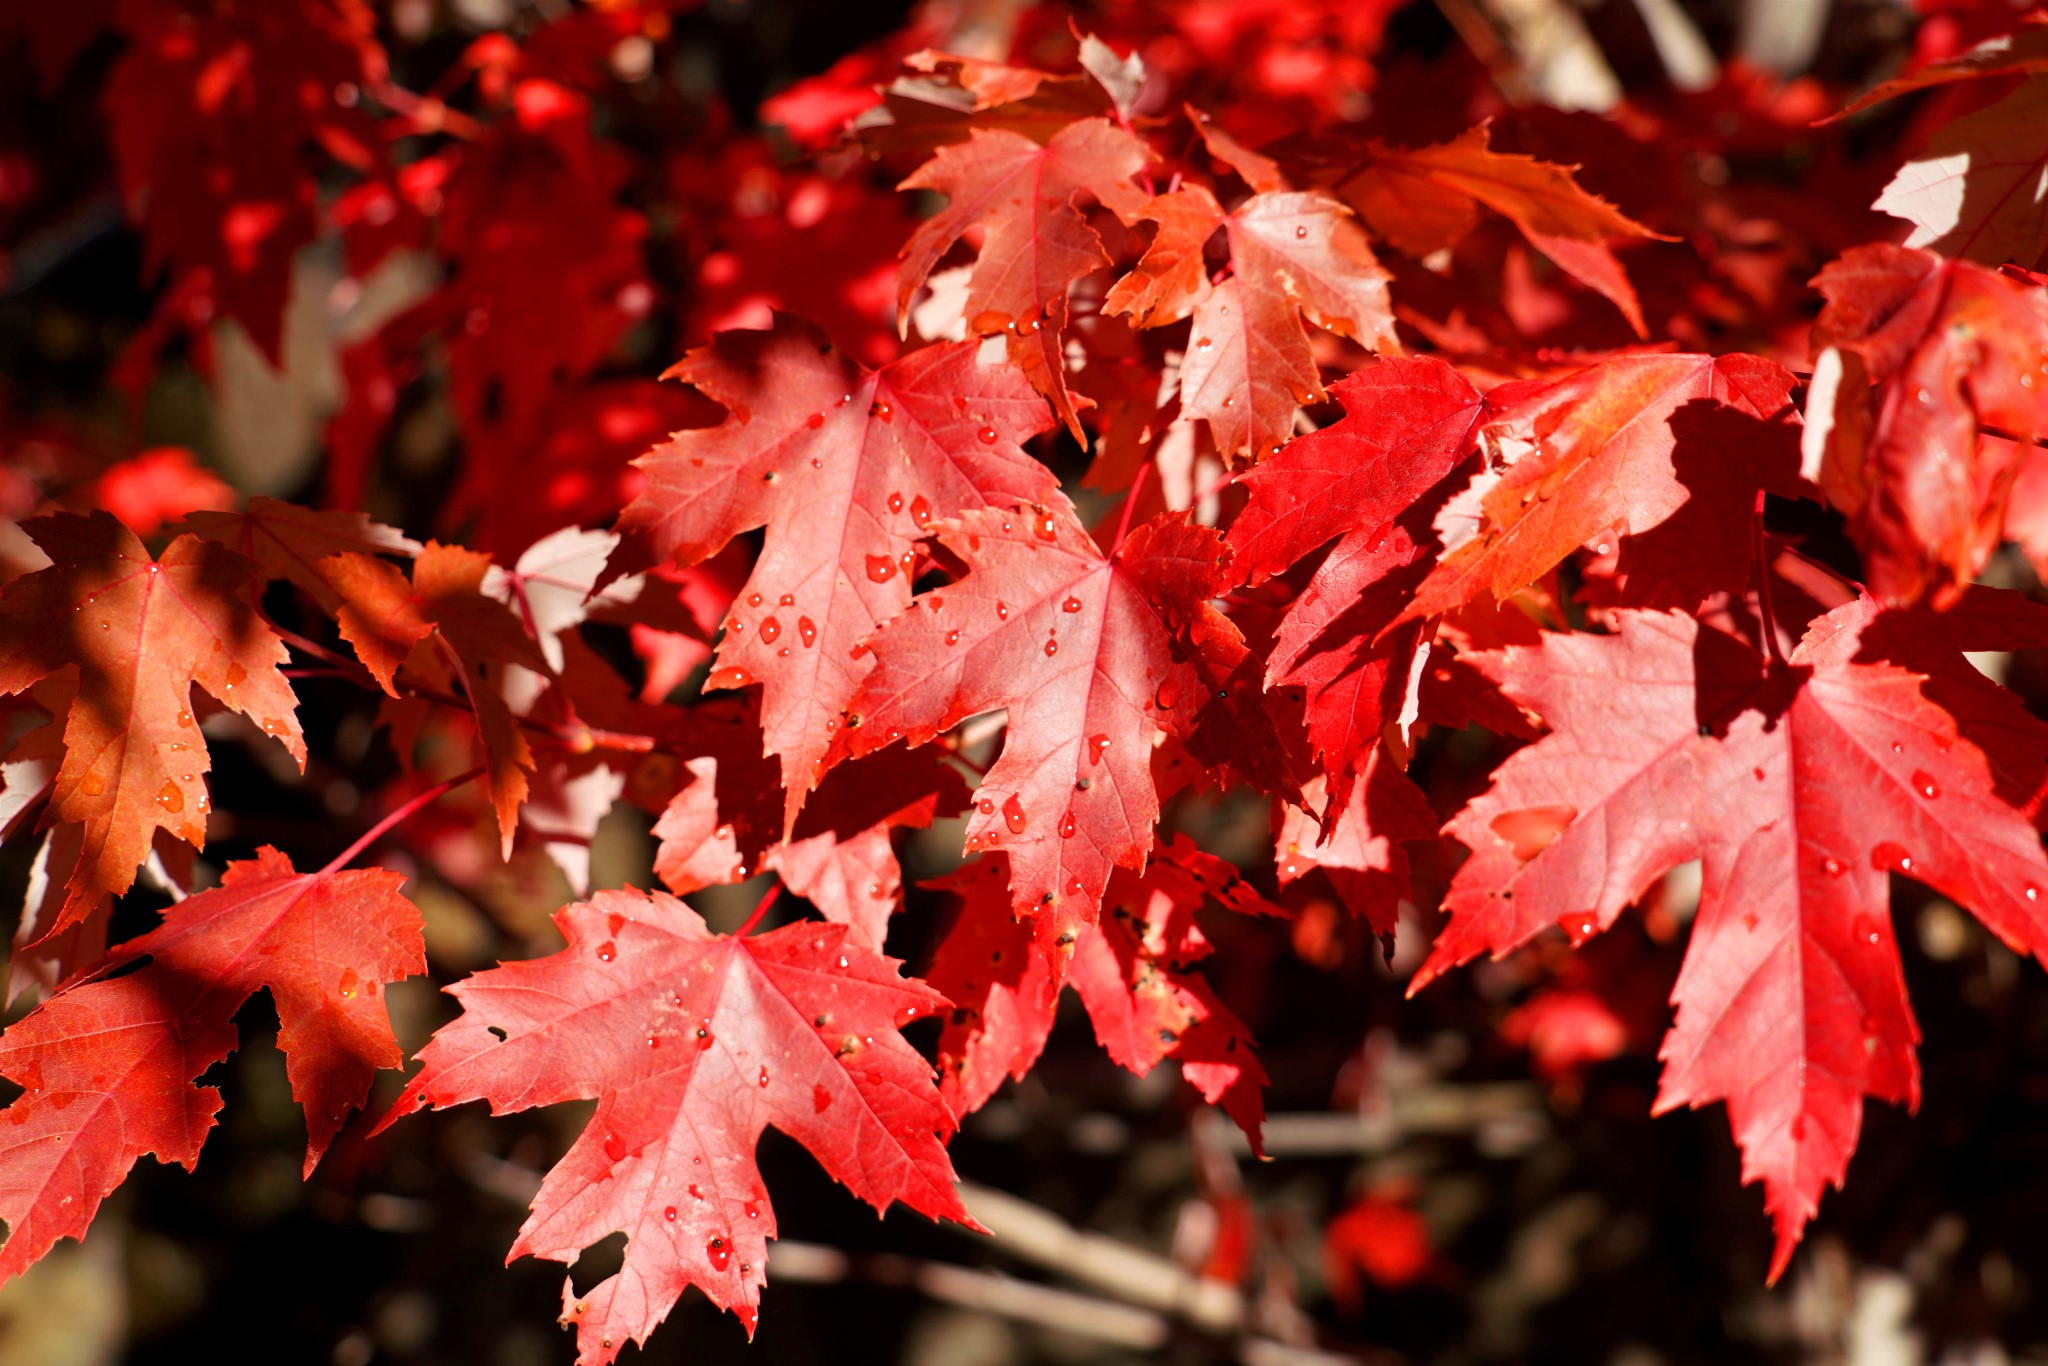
(444, 627)
(1916, 356)
(108, 1063)
(1665, 451)
(1406, 425)
(1249, 366)
(1132, 973)
(1358, 844)
(212, 120)
(1424, 199)
(1801, 788)
(1026, 199)
(1076, 645)
(692, 1044)
(847, 468)
(140, 632)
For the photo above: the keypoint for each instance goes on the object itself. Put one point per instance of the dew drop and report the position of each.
(786, 600)
(1890, 857)
(669, 1214)
(1071, 605)
(1098, 745)
(815, 421)
(92, 785)
(719, 1253)
(1041, 526)
(986, 806)
(764, 1076)
(1925, 785)
(753, 599)
(1865, 930)
(952, 637)
(1067, 826)
(987, 436)
(881, 569)
(704, 1038)
(1002, 610)
(2031, 892)
(1013, 814)
(895, 502)
(807, 631)
(1052, 647)
(921, 511)
(170, 797)
(1168, 694)
(1300, 231)
(771, 630)
(607, 951)
(882, 409)
(614, 1148)
(1203, 344)
(1832, 867)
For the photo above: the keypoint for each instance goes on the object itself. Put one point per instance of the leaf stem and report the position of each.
(1758, 549)
(760, 910)
(1123, 525)
(382, 827)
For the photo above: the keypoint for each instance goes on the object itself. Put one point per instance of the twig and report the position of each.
(1132, 1274)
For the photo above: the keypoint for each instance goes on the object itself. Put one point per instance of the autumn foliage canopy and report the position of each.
(1071, 426)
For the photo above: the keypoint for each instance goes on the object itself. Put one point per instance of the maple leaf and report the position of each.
(1979, 190)
(1074, 644)
(1249, 365)
(1130, 971)
(1358, 672)
(847, 468)
(692, 1044)
(1407, 424)
(1424, 199)
(726, 821)
(394, 624)
(1800, 788)
(212, 118)
(1937, 645)
(1359, 850)
(2023, 52)
(1948, 348)
(108, 1063)
(1025, 198)
(538, 185)
(141, 633)
(1675, 445)
(288, 542)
